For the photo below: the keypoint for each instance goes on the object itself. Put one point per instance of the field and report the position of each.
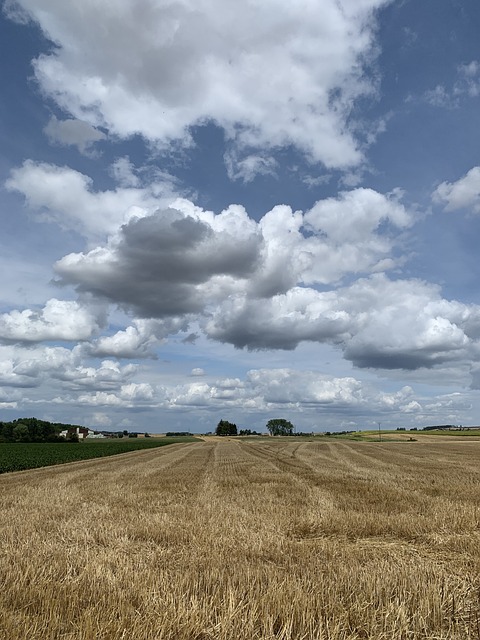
(244, 540)
(18, 456)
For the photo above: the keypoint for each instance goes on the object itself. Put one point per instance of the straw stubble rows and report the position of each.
(229, 540)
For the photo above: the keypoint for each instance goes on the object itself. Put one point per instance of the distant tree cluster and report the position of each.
(225, 428)
(276, 427)
(32, 430)
(439, 427)
(280, 427)
(338, 433)
(122, 434)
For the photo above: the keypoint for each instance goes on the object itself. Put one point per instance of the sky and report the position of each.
(242, 211)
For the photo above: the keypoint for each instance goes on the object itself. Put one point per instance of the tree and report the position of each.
(20, 433)
(226, 428)
(248, 432)
(280, 427)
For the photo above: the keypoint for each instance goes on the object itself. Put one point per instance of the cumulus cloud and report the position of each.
(288, 390)
(462, 194)
(257, 284)
(169, 263)
(261, 285)
(138, 340)
(307, 395)
(270, 74)
(67, 197)
(73, 132)
(287, 386)
(58, 367)
(378, 323)
(110, 375)
(63, 377)
(406, 324)
(11, 375)
(58, 320)
(130, 395)
(180, 260)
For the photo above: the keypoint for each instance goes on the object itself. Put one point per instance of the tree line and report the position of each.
(275, 427)
(32, 430)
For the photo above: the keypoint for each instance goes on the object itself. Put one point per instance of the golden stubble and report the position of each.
(239, 540)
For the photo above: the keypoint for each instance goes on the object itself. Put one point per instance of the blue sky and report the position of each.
(241, 211)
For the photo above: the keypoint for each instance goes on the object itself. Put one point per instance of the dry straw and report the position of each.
(229, 540)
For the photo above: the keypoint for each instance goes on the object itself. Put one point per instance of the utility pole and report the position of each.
(379, 431)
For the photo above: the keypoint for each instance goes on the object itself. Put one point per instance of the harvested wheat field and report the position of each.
(231, 540)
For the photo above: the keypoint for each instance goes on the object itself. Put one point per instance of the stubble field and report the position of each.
(230, 540)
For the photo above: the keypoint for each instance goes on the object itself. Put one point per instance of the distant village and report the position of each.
(82, 433)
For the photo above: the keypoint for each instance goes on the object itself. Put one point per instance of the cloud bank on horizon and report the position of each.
(241, 211)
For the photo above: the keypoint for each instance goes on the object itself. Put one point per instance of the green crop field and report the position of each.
(18, 456)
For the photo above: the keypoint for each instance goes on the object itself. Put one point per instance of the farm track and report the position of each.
(229, 539)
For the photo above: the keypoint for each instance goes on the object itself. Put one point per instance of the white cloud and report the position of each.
(129, 343)
(101, 420)
(355, 215)
(292, 392)
(110, 375)
(469, 79)
(51, 368)
(271, 74)
(249, 167)
(281, 386)
(440, 97)
(38, 363)
(138, 340)
(66, 197)
(58, 320)
(73, 132)
(467, 84)
(462, 194)
(130, 395)
(406, 324)
(124, 173)
(13, 376)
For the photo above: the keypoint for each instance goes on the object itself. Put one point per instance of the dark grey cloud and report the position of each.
(373, 357)
(281, 322)
(164, 265)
